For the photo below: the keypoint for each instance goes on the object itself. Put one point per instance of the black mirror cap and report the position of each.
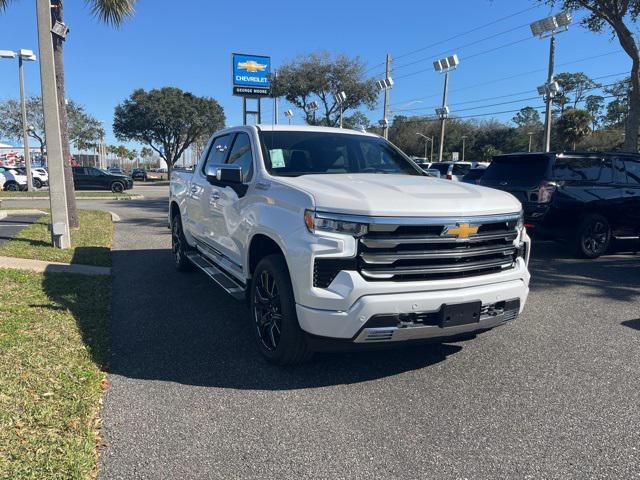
(226, 174)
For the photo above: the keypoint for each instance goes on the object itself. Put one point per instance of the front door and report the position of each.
(229, 201)
(201, 194)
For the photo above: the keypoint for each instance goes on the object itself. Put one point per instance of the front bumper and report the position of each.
(352, 323)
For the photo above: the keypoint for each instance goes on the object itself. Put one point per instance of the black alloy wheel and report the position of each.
(594, 237)
(117, 187)
(179, 246)
(267, 311)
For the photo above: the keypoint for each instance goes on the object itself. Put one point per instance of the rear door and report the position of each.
(80, 178)
(632, 193)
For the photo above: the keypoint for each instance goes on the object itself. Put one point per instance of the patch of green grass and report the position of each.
(91, 243)
(53, 349)
(45, 194)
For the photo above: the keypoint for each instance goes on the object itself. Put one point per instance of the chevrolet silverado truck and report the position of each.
(336, 238)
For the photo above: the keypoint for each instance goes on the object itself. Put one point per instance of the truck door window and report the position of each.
(242, 155)
(218, 151)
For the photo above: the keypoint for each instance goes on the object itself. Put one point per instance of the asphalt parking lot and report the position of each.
(11, 225)
(553, 395)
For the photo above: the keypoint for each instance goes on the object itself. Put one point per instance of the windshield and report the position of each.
(516, 169)
(293, 154)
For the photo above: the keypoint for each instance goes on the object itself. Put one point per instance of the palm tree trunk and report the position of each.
(58, 57)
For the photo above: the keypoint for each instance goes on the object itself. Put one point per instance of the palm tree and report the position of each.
(111, 12)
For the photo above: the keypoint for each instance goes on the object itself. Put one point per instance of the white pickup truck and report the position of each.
(336, 238)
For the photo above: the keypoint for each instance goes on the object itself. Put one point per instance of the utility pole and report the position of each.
(464, 137)
(443, 115)
(530, 138)
(385, 128)
(549, 96)
(25, 125)
(60, 234)
(275, 101)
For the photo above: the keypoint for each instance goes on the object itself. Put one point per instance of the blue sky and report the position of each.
(188, 44)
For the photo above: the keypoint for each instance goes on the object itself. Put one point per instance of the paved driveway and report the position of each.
(553, 395)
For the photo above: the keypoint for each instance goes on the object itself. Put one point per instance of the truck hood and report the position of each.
(401, 195)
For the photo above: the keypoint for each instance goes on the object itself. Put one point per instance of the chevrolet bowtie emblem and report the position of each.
(460, 230)
(252, 66)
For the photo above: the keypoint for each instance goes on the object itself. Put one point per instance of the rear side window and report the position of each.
(461, 169)
(585, 169)
(443, 168)
(516, 169)
(632, 166)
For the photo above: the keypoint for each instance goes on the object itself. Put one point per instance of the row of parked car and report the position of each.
(587, 200)
(14, 179)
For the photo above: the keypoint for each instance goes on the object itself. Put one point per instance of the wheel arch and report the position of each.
(260, 246)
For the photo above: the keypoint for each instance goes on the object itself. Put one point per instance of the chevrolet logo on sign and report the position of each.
(459, 230)
(252, 66)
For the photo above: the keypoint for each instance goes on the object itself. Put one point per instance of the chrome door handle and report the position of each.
(215, 196)
(194, 189)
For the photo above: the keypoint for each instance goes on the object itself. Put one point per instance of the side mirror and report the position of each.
(224, 174)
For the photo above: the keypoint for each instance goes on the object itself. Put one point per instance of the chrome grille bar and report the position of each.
(451, 268)
(388, 258)
(382, 242)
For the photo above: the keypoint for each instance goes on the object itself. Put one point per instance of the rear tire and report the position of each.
(179, 246)
(12, 187)
(273, 313)
(593, 237)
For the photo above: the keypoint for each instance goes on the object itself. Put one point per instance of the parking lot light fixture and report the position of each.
(340, 98)
(550, 27)
(427, 139)
(7, 54)
(444, 65)
(288, 114)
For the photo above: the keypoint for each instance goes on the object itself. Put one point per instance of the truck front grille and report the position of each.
(426, 252)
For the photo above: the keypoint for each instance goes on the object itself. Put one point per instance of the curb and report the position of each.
(3, 214)
(22, 211)
(131, 197)
(51, 267)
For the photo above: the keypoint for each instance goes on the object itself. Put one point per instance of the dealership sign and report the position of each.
(251, 75)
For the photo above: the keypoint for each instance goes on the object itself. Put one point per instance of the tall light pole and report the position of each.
(427, 139)
(29, 56)
(550, 27)
(444, 65)
(385, 85)
(340, 98)
(530, 139)
(60, 234)
(464, 137)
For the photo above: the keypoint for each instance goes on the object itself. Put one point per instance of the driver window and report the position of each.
(242, 155)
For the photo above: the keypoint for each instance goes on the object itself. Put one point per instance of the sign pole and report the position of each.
(244, 110)
(259, 111)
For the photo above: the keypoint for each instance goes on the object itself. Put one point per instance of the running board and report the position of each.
(228, 283)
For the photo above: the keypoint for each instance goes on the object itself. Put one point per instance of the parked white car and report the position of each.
(40, 177)
(336, 238)
(456, 170)
(13, 180)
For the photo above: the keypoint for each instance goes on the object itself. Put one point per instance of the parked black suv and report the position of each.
(584, 198)
(89, 178)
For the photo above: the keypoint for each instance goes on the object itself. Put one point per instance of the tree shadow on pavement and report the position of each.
(635, 324)
(615, 276)
(179, 327)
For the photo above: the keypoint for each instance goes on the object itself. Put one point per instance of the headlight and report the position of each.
(326, 223)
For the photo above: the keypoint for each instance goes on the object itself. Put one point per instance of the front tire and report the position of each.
(179, 246)
(117, 187)
(593, 237)
(37, 183)
(273, 312)
(12, 187)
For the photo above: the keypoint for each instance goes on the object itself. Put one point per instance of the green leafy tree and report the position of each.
(356, 121)
(573, 126)
(594, 105)
(168, 120)
(618, 109)
(574, 87)
(616, 16)
(318, 77)
(84, 129)
(113, 12)
(527, 118)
